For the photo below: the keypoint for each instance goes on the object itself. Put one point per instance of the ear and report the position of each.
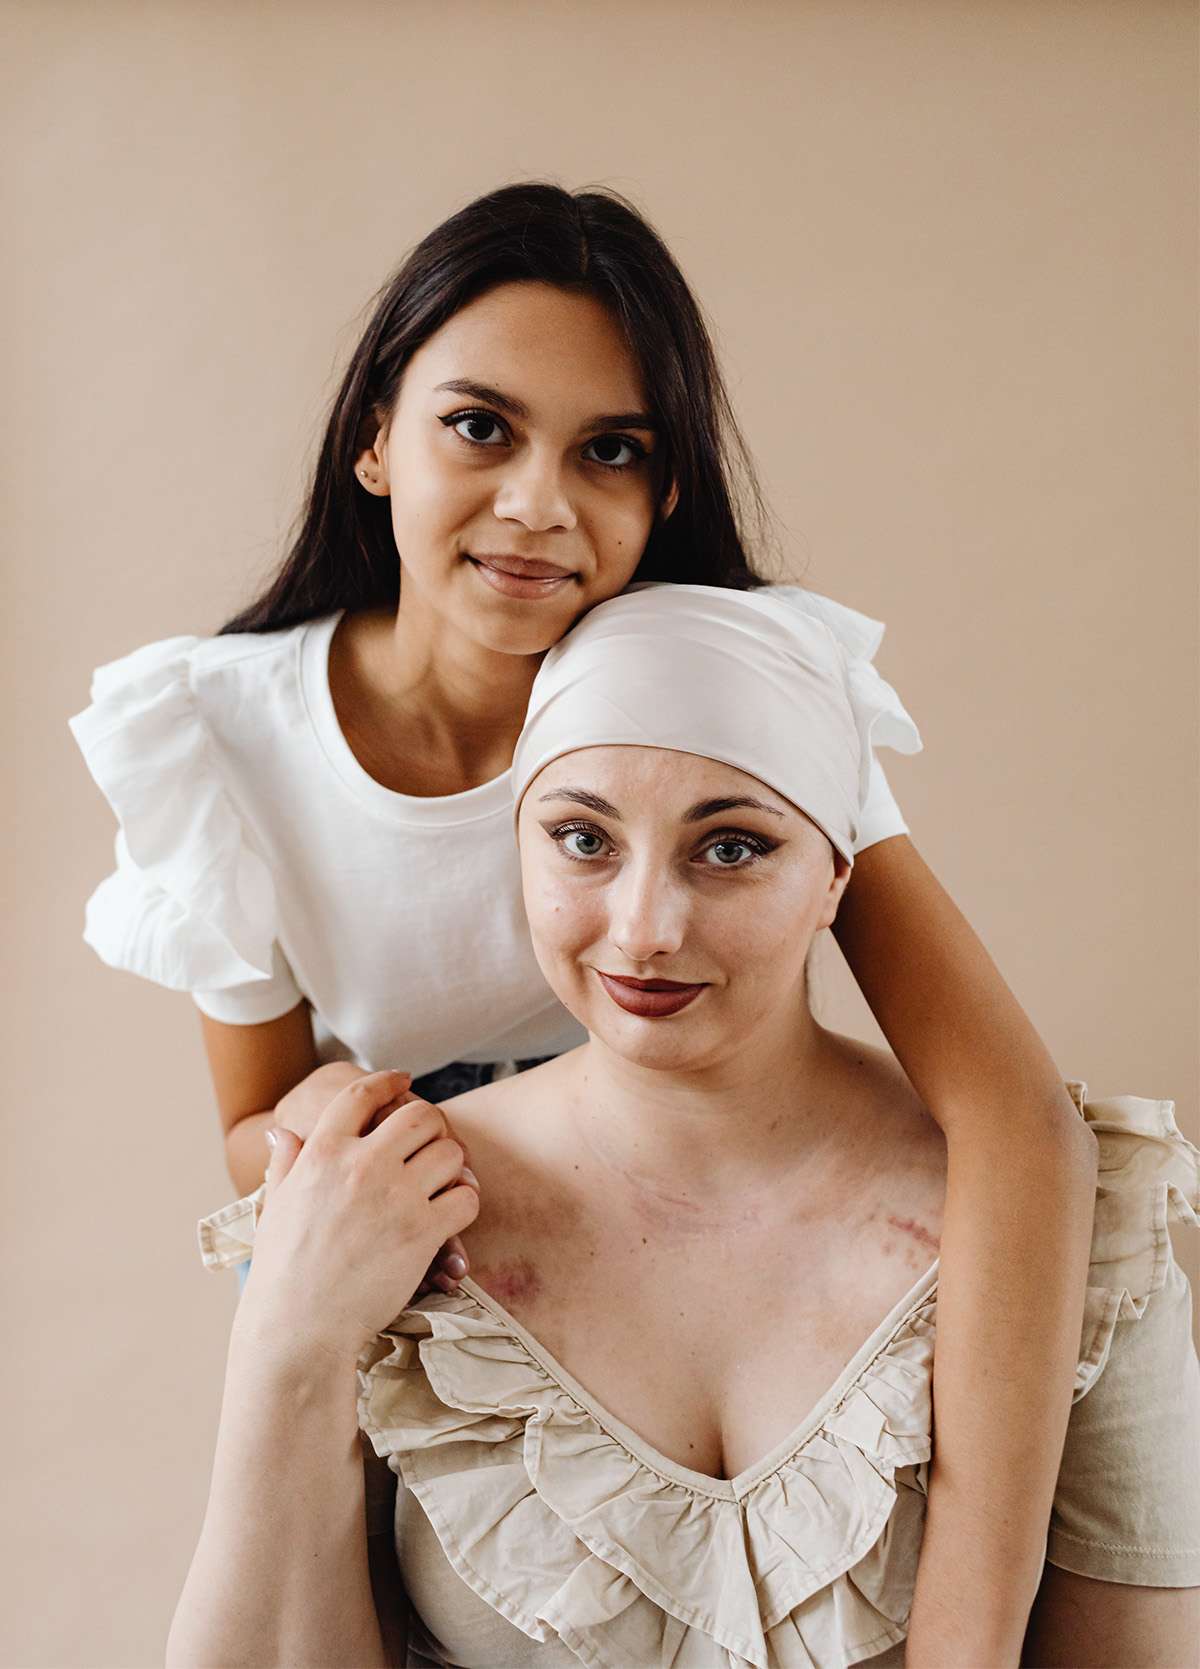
(669, 501)
(370, 467)
(837, 886)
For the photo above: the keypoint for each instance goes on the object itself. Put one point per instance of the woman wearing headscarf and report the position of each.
(612, 1444)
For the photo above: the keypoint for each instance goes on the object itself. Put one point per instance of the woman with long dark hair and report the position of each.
(314, 804)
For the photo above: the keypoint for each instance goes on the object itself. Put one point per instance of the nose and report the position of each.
(647, 912)
(535, 494)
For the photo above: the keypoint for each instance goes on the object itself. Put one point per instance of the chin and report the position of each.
(654, 1046)
(505, 631)
(507, 639)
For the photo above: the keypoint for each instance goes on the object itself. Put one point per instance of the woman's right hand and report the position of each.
(299, 1111)
(302, 1106)
(353, 1216)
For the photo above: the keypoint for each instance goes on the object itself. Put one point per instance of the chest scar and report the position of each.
(513, 1282)
(910, 1226)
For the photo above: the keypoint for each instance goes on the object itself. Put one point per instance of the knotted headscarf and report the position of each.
(776, 682)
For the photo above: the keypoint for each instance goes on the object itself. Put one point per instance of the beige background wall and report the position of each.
(949, 253)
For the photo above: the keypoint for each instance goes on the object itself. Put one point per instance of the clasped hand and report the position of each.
(355, 1211)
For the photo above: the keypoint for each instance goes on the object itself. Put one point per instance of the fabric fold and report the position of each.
(883, 718)
(562, 1528)
(677, 667)
(191, 904)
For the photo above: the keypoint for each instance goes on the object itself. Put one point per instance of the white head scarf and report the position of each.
(777, 682)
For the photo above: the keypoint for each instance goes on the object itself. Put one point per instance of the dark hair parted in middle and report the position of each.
(592, 243)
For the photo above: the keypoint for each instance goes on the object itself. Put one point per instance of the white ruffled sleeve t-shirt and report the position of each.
(258, 864)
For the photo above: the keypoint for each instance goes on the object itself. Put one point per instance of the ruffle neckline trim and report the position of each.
(631, 1550)
(808, 1558)
(568, 1525)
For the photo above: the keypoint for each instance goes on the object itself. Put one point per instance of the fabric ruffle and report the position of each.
(881, 716)
(191, 904)
(227, 1236)
(559, 1526)
(564, 1532)
(1149, 1177)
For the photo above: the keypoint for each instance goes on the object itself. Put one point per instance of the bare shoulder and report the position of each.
(499, 1115)
(878, 1080)
(891, 1134)
(529, 1197)
(512, 1132)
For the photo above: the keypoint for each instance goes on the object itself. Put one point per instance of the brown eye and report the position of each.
(469, 427)
(617, 444)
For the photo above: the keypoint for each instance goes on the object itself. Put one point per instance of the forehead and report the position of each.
(649, 782)
(524, 337)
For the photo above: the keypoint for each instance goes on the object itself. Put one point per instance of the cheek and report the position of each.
(620, 531)
(429, 484)
(562, 916)
(764, 934)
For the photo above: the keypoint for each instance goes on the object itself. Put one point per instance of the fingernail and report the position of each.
(272, 1137)
(456, 1266)
(469, 1176)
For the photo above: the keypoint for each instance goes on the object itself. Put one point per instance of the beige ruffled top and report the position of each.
(532, 1527)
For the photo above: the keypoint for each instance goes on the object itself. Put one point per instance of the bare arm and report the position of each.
(281, 1572)
(253, 1068)
(1014, 1252)
(1081, 1623)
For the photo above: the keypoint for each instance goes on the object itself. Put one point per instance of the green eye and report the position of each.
(730, 853)
(735, 851)
(579, 841)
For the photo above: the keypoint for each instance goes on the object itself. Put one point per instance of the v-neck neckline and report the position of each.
(701, 1483)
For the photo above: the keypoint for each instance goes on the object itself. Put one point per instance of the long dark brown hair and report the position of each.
(592, 243)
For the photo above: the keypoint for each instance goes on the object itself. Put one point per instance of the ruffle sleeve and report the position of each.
(883, 720)
(191, 904)
(1149, 1177)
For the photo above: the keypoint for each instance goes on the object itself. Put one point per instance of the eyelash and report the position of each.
(759, 847)
(639, 451)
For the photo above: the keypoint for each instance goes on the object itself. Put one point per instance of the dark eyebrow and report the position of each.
(581, 795)
(697, 814)
(713, 808)
(516, 408)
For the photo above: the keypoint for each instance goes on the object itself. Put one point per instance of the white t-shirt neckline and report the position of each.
(489, 799)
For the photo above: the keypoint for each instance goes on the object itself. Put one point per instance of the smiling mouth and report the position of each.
(515, 576)
(522, 567)
(651, 999)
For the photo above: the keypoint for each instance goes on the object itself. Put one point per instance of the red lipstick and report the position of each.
(651, 999)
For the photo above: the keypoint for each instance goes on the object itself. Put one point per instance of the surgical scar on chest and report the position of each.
(917, 1233)
(512, 1282)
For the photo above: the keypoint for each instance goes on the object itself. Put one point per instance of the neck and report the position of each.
(463, 702)
(481, 687)
(702, 1144)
